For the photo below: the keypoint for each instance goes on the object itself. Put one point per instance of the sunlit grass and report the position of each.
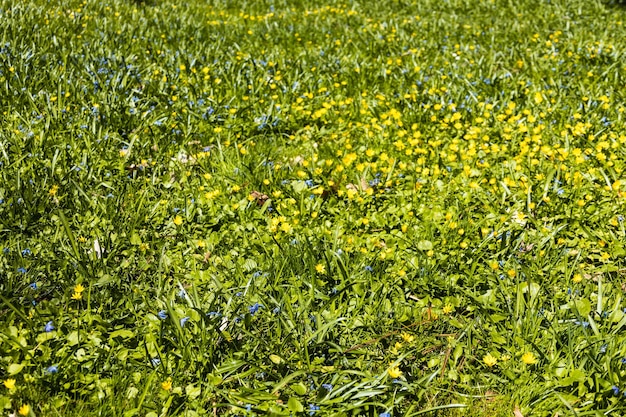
(318, 208)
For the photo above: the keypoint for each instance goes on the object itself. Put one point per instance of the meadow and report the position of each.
(318, 208)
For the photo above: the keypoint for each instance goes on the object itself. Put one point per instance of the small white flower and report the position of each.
(518, 218)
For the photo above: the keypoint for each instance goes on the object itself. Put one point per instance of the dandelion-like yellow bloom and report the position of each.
(53, 190)
(529, 358)
(178, 220)
(9, 383)
(394, 372)
(77, 296)
(79, 288)
(167, 384)
(24, 410)
(490, 360)
(408, 337)
(320, 269)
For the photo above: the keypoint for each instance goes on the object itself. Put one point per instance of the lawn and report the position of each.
(317, 208)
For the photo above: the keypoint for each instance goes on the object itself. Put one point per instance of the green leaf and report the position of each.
(487, 299)
(105, 279)
(425, 245)
(299, 388)
(132, 412)
(123, 333)
(576, 375)
(299, 186)
(294, 405)
(72, 338)
(276, 359)
(5, 402)
(497, 337)
(583, 306)
(135, 239)
(192, 391)
(15, 368)
(531, 288)
(286, 380)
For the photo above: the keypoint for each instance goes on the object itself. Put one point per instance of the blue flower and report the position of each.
(22, 270)
(313, 408)
(26, 252)
(369, 268)
(183, 321)
(384, 415)
(327, 387)
(49, 327)
(155, 361)
(33, 285)
(162, 314)
(52, 369)
(615, 390)
(254, 308)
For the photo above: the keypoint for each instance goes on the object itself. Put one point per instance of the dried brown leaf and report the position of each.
(259, 197)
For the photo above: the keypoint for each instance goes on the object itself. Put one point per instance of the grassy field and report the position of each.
(249, 208)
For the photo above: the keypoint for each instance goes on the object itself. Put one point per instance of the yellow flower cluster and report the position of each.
(78, 292)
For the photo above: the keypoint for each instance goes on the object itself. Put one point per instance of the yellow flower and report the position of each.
(408, 337)
(394, 372)
(53, 190)
(489, 360)
(77, 296)
(447, 309)
(321, 269)
(529, 358)
(9, 383)
(24, 410)
(178, 220)
(395, 350)
(79, 288)
(167, 384)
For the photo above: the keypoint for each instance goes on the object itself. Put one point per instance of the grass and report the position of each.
(312, 208)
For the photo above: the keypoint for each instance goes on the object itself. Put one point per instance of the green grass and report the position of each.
(312, 208)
